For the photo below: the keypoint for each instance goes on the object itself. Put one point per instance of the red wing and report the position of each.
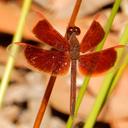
(92, 37)
(97, 62)
(46, 33)
(48, 61)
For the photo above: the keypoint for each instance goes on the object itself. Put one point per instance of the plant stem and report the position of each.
(118, 75)
(109, 23)
(44, 102)
(75, 13)
(14, 51)
(101, 98)
(109, 83)
(83, 88)
(52, 79)
(98, 104)
(123, 41)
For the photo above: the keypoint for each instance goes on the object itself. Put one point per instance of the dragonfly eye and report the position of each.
(77, 30)
(70, 30)
(73, 29)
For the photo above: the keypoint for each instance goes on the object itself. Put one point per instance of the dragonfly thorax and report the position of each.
(74, 47)
(72, 32)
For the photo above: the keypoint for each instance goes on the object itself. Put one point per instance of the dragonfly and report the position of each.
(68, 52)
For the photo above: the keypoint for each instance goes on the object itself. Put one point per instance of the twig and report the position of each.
(52, 79)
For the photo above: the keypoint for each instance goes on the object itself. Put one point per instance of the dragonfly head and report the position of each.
(72, 30)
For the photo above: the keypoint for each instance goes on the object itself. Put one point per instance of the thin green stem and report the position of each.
(108, 84)
(118, 75)
(123, 41)
(98, 103)
(14, 50)
(108, 25)
(83, 88)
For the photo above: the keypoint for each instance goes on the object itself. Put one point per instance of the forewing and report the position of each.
(46, 33)
(92, 37)
(97, 62)
(52, 61)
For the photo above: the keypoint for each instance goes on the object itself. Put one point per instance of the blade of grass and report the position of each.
(123, 41)
(118, 75)
(108, 82)
(14, 50)
(83, 88)
(109, 23)
(98, 103)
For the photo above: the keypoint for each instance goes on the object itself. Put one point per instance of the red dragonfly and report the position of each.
(68, 51)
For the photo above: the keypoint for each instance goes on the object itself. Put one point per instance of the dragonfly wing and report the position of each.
(97, 62)
(92, 37)
(46, 33)
(50, 61)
